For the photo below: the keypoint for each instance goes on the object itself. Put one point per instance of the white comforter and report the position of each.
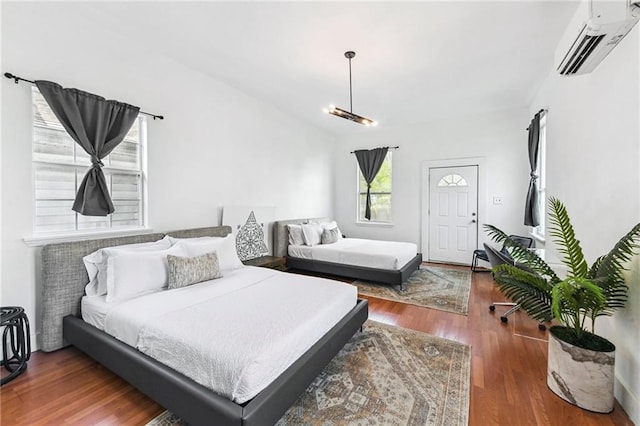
(358, 252)
(234, 335)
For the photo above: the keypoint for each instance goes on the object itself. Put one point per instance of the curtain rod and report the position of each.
(17, 79)
(543, 110)
(389, 147)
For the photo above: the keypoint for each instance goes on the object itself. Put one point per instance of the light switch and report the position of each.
(497, 201)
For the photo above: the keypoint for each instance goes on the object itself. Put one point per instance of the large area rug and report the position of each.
(384, 376)
(432, 287)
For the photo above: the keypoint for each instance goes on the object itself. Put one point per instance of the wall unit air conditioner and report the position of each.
(597, 27)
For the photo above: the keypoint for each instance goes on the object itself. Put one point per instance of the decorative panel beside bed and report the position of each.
(387, 262)
(119, 332)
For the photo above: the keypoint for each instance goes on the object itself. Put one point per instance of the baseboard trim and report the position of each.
(628, 400)
(34, 341)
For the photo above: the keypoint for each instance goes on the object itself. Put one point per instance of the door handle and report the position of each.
(473, 221)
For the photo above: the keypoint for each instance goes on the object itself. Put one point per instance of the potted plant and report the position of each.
(580, 365)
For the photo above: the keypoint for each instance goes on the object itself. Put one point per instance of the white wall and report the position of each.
(499, 137)
(216, 147)
(593, 166)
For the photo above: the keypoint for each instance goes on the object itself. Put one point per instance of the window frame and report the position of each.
(79, 167)
(361, 220)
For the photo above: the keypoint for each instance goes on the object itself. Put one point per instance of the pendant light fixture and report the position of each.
(349, 115)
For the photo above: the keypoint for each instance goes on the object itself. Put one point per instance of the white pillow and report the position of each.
(295, 235)
(332, 225)
(96, 263)
(224, 247)
(134, 273)
(312, 233)
(174, 240)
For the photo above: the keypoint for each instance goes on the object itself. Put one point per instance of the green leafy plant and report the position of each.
(582, 296)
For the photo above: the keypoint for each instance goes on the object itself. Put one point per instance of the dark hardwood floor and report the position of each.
(508, 374)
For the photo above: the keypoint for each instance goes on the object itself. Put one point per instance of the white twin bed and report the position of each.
(390, 255)
(387, 262)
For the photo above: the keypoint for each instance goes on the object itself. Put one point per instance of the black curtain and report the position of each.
(370, 162)
(531, 211)
(98, 126)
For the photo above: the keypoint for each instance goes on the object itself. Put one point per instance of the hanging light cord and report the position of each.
(350, 88)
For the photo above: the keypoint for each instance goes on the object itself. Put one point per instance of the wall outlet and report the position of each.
(497, 201)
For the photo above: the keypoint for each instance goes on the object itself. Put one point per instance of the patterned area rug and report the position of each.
(384, 376)
(432, 287)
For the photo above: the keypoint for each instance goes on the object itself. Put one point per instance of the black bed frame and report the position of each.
(193, 402)
(63, 280)
(393, 277)
(385, 276)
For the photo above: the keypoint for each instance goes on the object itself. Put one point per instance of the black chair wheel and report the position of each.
(542, 327)
(504, 319)
(492, 308)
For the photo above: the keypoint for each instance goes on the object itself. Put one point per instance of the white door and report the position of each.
(453, 213)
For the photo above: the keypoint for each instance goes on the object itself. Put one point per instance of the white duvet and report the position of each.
(233, 335)
(358, 252)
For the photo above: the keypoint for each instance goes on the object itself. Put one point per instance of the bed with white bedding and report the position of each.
(389, 262)
(359, 252)
(261, 339)
(235, 350)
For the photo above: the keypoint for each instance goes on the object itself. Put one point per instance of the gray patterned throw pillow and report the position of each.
(295, 235)
(330, 236)
(184, 271)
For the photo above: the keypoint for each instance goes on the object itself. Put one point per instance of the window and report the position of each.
(380, 194)
(542, 180)
(453, 180)
(60, 164)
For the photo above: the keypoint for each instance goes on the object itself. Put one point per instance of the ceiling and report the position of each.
(415, 61)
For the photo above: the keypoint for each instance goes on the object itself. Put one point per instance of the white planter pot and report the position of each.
(580, 376)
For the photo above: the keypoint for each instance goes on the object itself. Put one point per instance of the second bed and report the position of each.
(387, 262)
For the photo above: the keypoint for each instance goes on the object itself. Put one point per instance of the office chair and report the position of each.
(482, 254)
(499, 258)
(479, 255)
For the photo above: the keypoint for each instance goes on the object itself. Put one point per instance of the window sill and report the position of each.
(378, 224)
(41, 240)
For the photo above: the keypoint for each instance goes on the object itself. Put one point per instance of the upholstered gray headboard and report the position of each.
(64, 277)
(214, 231)
(281, 234)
